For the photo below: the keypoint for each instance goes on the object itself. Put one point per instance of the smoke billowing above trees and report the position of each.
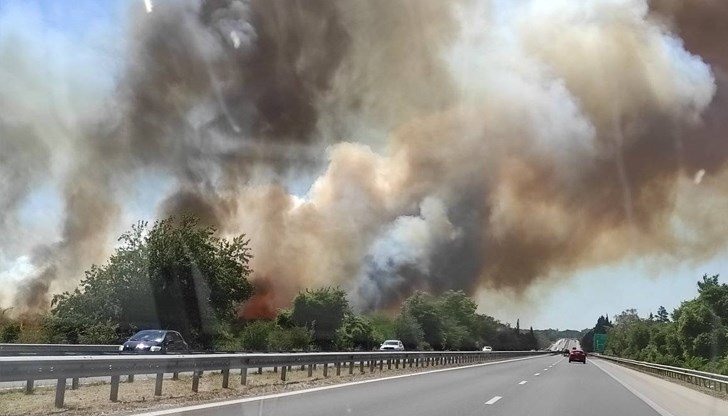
(470, 145)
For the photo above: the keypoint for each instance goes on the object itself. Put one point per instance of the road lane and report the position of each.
(573, 389)
(461, 391)
(541, 386)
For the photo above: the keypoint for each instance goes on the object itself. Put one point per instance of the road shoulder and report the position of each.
(667, 398)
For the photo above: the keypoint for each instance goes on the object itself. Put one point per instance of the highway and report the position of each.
(546, 385)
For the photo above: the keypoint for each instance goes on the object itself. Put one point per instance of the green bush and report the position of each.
(10, 332)
(255, 335)
(322, 311)
(101, 333)
(356, 333)
(289, 339)
(408, 330)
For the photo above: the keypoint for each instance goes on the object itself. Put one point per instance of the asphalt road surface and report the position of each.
(540, 386)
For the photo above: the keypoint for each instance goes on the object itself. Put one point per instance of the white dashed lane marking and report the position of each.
(537, 374)
(493, 400)
(523, 382)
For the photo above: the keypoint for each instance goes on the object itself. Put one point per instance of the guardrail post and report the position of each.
(310, 370)
(114, 395)
(351, 367)
(195, 381)
(244, 375)
(410, 362)
(396, 363)
(175, 376)
(60, 391)
(158, 384)
(381, 365)
(226, 377)
(326, 369)
(74, 383)
(275, 369)
(389, 364)
(284, 371)
(260, 370)
(130, 378)
(338, 368)
(361, 366)
(29, 386)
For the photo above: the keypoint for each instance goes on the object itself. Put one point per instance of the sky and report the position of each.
(92, 30)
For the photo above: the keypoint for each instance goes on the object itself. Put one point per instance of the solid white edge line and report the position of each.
(322, 388)
(493, 400)
(523, 382)
(656, 407)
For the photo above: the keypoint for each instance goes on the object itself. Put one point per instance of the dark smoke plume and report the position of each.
(470, 145)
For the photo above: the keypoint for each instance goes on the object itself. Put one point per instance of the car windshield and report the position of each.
(316, 186)
(148, 336)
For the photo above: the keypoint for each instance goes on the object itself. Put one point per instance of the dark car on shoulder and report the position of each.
(155, 341)
(577, 355)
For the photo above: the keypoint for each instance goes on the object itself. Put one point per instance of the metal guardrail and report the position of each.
(62, 368)
(56, 349)
(717, 382)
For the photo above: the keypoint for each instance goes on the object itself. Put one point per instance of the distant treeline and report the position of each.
(179, 275)
(694, 336)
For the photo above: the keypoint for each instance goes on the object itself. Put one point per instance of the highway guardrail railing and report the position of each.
(56, 349)
(62, 368)
(717, 382)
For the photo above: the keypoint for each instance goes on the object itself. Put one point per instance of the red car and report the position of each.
(577, 355)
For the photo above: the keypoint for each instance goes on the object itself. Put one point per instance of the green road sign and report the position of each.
(600, 341)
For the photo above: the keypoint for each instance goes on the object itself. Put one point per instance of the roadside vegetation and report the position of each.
(177, 274)
(694, 335)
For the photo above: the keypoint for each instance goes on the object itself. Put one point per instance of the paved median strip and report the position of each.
(493, 400)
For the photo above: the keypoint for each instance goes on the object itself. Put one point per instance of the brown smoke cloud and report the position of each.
(467, 145)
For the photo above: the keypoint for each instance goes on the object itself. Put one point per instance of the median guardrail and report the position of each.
(62, 368)
(56, 349)
(717, 382)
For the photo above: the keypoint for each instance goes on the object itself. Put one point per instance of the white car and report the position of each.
(487, 348)
(392, 345)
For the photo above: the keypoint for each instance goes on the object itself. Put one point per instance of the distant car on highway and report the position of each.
(487, 348)
(155, 341)
(577, 355)
(392, 345)
(566, 352)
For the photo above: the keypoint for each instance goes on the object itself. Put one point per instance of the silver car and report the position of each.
(392, 345)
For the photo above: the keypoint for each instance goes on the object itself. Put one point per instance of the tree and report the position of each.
(425, 309)
(322, 311)
(177, 275)
(357, 333)
(460, 320)
(408, 330)
(284, 319)
(383, 327)
(532, 342)
(662, 315)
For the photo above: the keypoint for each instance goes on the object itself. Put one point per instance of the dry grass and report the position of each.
(93, 399)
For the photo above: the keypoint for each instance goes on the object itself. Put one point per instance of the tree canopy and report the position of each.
(175, 275)
(696, 337)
